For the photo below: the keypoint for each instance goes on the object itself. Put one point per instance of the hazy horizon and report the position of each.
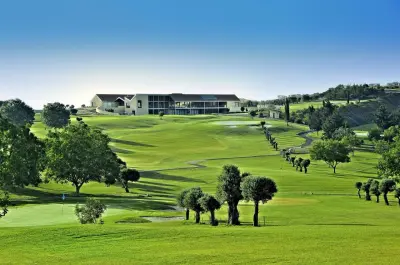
(70, 50)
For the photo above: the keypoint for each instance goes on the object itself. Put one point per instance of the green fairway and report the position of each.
(315, 218)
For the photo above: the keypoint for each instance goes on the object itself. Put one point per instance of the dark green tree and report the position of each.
(253, 113)
(192, 201)
(305, 164)
(210, 204)
(332, 152)
(397, 194)
(366, 188)
(258, 189)
(315, 121)
(287, 111)
(331, 124)
(358, 187)
(262, 123)
(79, 154)
(161, 114)
(374, 189)
(181, 202)
(382, 117)
(228, 190)
(17, 112)
(242, 109)
(73, 111)
(4, 203)
(128, 175)
(386, 186)
(374, 134)
(55, 115)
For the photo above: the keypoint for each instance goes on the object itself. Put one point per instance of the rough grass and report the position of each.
(315, 218)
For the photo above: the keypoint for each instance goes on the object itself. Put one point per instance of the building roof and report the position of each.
(203, 97)
(113, 97)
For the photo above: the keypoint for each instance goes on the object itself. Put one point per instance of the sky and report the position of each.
(69, 50)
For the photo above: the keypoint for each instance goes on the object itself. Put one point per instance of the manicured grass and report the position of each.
(315, 218)
(318, 104)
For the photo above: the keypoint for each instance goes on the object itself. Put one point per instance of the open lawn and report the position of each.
(318, 104)
(315, 218)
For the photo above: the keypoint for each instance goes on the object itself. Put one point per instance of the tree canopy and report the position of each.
(210, 204)
(79, 154)
(192, 201)
(258, 189)
(55, 115)
(17, 112)
(386, 186)
(332, 152)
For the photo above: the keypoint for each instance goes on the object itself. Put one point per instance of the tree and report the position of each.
(351, 141)
(390, 133)
(287, 111)
(4, 203)
(397, 194)
(228, 189)
(375, 189)
(17, 112)
(181, 202)
(83, 106)
(374, 134)
(389, 163)
(242, 109)
(161, 114)
(382, 117)
(358, 187)
(305, 163)
(192, 201)
(90, 212)
(71, 106)
(366, 188)
(128, 174)
(253, 114)
(331, 124)
(79, 154)
(258, 189)
(262, 123)
(73, 111)
(315, 121)
(21, 156)
(55, 115)
(332, 152)
(210, 204)
(386, 186)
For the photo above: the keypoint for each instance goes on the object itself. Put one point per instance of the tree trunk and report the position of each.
(359, 195)
(126, 189)
(233, 214)
(125, 185)
(301, 169)
(399, 201)
(255, 217)
(334, 169)
(377, 199)
(212, 217)
(197, 217)
(187, 214)
(386, 199)
(305, 170)
(367, 196)
(77, 188)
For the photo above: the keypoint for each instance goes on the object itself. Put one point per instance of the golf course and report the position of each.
(314, 218)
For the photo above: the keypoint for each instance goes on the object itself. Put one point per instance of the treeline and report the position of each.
(71, 152)
(340, 92)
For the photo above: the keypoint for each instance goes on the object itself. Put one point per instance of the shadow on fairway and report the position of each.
(160, 176)
(119, 141)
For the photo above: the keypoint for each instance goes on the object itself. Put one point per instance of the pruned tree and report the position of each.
(79, 154)
(192, 201)
(128, 175)
(91, 211)
(292, 160)
(375, 189)
(366, 188)
(242, 109)
(306, 163)
(4, 203)
(55, 115)
(228, 190)
(253, 113)
(397, 194)
(161, 114)
(17, 112)
(358, 186)
(332, 152)
(258, 189)
(299, 164)
(73, 111)
(181, 202)
(386, 186)
(262, 123)
(210, 204)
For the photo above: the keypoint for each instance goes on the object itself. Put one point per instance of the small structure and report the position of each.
(274, 114)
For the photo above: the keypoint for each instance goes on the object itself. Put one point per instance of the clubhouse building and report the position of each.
(174, 104)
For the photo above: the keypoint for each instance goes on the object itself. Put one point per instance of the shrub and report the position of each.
(374, 134)
(90, 212)
(73, 111)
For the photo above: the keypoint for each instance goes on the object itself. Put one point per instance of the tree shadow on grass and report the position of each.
(160, 176)
(132, 143)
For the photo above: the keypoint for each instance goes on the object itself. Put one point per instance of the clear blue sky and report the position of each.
(68, 50)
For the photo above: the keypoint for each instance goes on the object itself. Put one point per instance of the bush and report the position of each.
(73, 111)
(298, 120)
(90, 212)
(374, 134)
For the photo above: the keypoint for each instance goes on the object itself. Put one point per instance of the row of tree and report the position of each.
(233, 186)
(373, 186)
(75, 154)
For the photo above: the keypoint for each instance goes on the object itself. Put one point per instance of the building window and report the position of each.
(139, 104)
(128, 106)
(237, 104)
